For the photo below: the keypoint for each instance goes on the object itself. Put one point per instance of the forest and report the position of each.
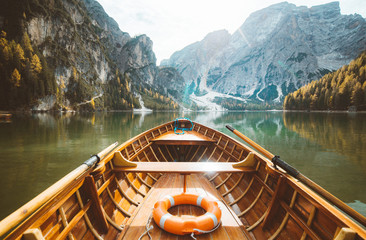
(24, 73)
(344, 89)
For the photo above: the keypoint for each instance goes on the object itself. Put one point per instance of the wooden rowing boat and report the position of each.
(112, 194)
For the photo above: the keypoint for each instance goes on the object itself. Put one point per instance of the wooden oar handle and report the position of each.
(288, 168)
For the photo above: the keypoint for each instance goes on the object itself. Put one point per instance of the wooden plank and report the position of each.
(184, 167)
(173, 184)
(188, 138)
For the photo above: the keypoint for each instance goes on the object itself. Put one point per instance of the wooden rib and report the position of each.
(152, 150)
(218, 159)
(170, 155)
(235, 185)
(133, 147)
(125, 194)
(147, 140)
(87, 220)
(284, 221)
(119, 187)
(244, 193)
(142, 180)
(257, 222)
(213, 135)
(253, 203)
(141, 146)
(224, 181)
(133, 186)
(232, 150)
(189, 151)
(199, 159)
(218, 142)
(227, 142)
(151, 176)
(128, 156)
(74, 221)
(161, 152)
(309, 222)
(159, 131)
(117, 205)
(64, 221)
(113, 223)
(230, 155)
(105, 184)
(114, 201)
(256, 199)
(303, 225)
(213, 151)
(215, 176)
(147, 158)
(175, 152)
(241, 154)
(190, 160)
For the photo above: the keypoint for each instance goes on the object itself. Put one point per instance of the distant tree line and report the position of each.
(338, 90)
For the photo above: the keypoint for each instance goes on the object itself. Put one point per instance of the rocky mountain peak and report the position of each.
(277, 50)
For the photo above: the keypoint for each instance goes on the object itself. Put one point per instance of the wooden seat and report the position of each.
(184, 167)
(188, 138)
(231, 227)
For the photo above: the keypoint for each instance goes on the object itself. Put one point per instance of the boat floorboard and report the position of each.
(231, 227)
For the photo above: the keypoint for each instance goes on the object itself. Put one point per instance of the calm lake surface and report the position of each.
(37, 150)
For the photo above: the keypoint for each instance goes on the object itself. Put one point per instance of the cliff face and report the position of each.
(90, 57)
(276, 50)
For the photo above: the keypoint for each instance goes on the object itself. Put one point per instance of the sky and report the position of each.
(174, 24)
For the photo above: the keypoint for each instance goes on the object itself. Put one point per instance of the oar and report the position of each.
(16, 217)
(293, 172)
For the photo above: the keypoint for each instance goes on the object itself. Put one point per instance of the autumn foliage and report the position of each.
(24, 74)
(338, 90)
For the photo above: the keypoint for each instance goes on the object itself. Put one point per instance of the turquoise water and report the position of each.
(37, 150)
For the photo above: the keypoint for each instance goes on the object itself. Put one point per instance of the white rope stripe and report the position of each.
(199, 200)
(213, 217)
(163, 219)
(171, 199)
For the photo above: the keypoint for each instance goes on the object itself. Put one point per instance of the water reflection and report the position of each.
(37, 150)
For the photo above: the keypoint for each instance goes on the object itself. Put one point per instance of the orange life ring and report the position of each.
(187, 224)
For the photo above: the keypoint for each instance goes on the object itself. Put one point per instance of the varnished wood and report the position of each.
(188, 138)
(231, 227)
(184, 167)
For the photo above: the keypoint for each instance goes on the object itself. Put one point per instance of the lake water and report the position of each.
(37, 150)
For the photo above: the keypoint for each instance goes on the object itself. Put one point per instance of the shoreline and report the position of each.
(137, 111)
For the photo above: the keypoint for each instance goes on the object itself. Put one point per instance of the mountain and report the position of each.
(277, 50)
(85, 61)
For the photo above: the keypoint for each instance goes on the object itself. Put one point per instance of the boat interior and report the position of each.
(114, 200)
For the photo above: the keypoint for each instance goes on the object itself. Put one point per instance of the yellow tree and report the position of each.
(27, 45)
(19, 55)
(36, 65)
(92, 103)
(15, 78)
